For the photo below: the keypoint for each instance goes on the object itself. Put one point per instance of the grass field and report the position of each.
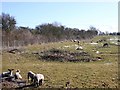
(97, 74)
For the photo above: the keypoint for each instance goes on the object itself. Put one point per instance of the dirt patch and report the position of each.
(7, 84)
(13, 84)
(61, 55)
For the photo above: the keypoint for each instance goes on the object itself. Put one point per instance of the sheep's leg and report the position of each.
(28, 77)
(31, 79)
(41, 82)
(34, 81)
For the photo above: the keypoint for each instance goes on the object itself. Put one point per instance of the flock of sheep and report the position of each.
(36, 79)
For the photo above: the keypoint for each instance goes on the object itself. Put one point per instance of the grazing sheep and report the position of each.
(39, 79)
(93, 43)
(31, 75)
(79, 48)
(118, 40)
(105, 45)
(78, 42)
(9, 73)
(67, 84)
(97, 52)
(17, 75)
(74, 40)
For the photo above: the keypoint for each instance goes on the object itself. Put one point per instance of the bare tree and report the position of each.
(8, 24)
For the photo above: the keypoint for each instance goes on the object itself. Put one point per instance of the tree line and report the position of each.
(13, 36)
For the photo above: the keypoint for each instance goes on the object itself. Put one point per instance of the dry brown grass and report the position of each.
(100, 74)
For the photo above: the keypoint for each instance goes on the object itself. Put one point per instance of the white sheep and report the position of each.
(97, 52)
(9, 73)
(31, 75)
(38, 79)
(17, 74)
(79, 48)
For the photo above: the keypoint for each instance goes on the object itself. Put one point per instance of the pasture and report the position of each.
(101, 73)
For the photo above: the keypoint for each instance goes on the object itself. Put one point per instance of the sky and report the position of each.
(81, 15)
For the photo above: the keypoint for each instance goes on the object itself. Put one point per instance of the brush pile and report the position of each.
(61, 55)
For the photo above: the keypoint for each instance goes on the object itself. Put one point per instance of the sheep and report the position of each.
(31, 75)
(17, 75)
(105, 45)
(9, 73)
(97, 52)
(79, 48)
(93, 43)
(38, 79)
(67, 84)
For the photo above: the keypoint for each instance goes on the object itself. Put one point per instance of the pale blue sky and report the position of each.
(102, 15)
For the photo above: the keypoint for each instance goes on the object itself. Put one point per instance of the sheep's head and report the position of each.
(18, 70)
(10, 70)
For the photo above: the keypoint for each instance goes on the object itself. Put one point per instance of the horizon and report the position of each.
(81, 15)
